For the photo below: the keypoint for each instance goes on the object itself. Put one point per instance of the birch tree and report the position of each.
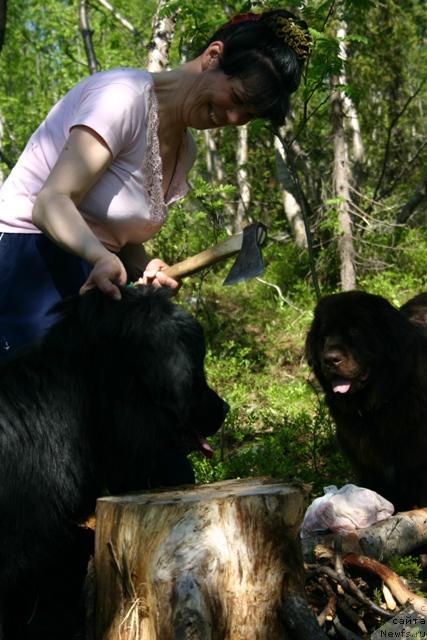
(351, 117)
(342, 178)
(163, 28)
(244, 190)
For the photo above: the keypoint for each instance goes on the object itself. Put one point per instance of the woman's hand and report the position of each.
(153, 274)
(108, 272)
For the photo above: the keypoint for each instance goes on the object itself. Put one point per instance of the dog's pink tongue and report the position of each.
(205, 448)
(340, 386)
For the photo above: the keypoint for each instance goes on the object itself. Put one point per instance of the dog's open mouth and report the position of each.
(197, 443)
(340, 385)
(346, 385)
(205, 447)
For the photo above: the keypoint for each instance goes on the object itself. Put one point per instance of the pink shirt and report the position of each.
(127, 204)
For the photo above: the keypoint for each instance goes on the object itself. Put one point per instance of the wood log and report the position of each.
(209, 562)
(398, 588)
(396, 536)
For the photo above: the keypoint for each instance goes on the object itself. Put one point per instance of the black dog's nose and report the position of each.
(332, 358)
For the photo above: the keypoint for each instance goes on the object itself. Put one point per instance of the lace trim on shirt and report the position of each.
(153, 162)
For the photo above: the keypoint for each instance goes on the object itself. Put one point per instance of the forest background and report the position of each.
(342, 190)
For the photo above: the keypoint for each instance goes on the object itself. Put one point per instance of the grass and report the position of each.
(278, 425)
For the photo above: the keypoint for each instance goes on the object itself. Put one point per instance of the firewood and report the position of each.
(349, 586)
(388, 597)
(400, 591)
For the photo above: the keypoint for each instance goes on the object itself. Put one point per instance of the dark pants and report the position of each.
(34, 275)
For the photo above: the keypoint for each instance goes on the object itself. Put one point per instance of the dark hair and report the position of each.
(269, 68)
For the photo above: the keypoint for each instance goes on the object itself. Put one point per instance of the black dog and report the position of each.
(371, 362)
(415, 310)
(111, 400)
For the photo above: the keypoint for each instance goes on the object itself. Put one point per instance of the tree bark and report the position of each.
(162, 33)
(201, 563)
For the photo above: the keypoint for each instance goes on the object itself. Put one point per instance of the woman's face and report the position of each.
(216, 100)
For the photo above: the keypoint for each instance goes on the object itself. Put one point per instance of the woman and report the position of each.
(96, 178)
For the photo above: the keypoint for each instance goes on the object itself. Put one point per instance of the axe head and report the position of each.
(249, 263)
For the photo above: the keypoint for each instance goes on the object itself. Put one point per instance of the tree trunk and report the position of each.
(342, 191)
(215, 169)
(201, 563)
(342, 178)
(398, 535)
(291, 206)
(414, 201)
(242, 178)
(214, 165)
(352, 118)
(162, 34)
(86, 32)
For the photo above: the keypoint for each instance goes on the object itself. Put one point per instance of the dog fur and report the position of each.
(371, 362)
(113, 395)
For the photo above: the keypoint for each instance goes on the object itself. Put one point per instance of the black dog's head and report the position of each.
(145, 356)
(356, 345)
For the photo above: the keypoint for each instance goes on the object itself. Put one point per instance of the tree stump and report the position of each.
(203, 563)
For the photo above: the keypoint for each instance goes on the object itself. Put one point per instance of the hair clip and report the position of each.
(293, 35)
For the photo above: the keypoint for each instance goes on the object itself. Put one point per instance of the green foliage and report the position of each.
(409, 568)
(298, 445)
(406, 566)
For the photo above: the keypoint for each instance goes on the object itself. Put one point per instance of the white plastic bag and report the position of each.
(345, 509)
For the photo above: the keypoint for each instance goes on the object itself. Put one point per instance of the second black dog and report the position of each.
(371, 362)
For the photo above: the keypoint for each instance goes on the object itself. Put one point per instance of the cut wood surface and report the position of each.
(203, 563)
(395, 536)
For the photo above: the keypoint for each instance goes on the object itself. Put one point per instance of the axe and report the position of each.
(248, 264)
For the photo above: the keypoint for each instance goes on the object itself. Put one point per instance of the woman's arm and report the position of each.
(83, 160)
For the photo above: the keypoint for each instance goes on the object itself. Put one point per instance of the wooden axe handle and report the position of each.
(210, 256)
